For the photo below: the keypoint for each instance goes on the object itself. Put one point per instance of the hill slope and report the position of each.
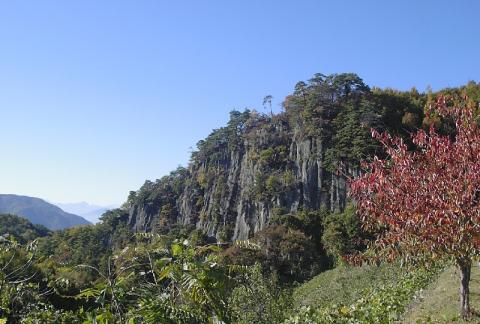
(440, 302)
(21, 228)
(343, 285)
(39, 211)
(367, 294)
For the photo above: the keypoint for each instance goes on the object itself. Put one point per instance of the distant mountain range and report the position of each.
(38, 211)
(88, 211)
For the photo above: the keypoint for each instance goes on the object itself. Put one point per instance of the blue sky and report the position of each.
(98, 96)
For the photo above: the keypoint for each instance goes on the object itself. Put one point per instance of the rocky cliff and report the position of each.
(260, 166)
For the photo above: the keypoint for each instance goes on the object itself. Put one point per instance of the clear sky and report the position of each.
(98, 96)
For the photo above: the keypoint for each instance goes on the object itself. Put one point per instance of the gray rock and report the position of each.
(225, 204)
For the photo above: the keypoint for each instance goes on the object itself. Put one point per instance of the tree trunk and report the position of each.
(465, 266)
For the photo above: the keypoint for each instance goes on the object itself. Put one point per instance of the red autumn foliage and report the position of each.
(426, 201)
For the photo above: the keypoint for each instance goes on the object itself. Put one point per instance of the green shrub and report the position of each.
(273, 184)
(341, 233)
(259, 300)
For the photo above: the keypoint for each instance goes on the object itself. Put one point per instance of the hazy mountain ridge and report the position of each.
(91, 212)
(38, 211)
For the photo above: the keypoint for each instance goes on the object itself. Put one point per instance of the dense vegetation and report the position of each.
(21, 229)
(164, 269)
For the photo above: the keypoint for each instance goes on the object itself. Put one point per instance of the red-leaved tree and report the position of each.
(425, 202)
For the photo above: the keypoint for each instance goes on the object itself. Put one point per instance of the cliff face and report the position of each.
(259, 166)
(275, 169)
(238, 197)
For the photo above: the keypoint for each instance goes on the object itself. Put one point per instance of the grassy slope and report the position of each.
(439, 303)
(342, 285)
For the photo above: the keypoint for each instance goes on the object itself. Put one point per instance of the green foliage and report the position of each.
(259, 186)
(287, 252)
(160, 197)
(351, 139)
(342, 233)
(21, 229)
(291, 246)
(153, 280)
(91, 245)
(273, 157)
(110, 293)
(192, 282)
(213, 149)
(202, 180)
(401, 111)
(288, 178)
(259, 299)
(310, 223)
(198, 237)
(22, 287)
(273, 184)
(344, 284)
(321, 99)
(48, 314)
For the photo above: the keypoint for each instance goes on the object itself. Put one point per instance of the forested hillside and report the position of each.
(21, 229)
(256, 229)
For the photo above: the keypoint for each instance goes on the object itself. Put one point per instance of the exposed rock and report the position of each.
(220, 198)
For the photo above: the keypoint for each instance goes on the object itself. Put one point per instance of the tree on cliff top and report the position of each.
(426, 202)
